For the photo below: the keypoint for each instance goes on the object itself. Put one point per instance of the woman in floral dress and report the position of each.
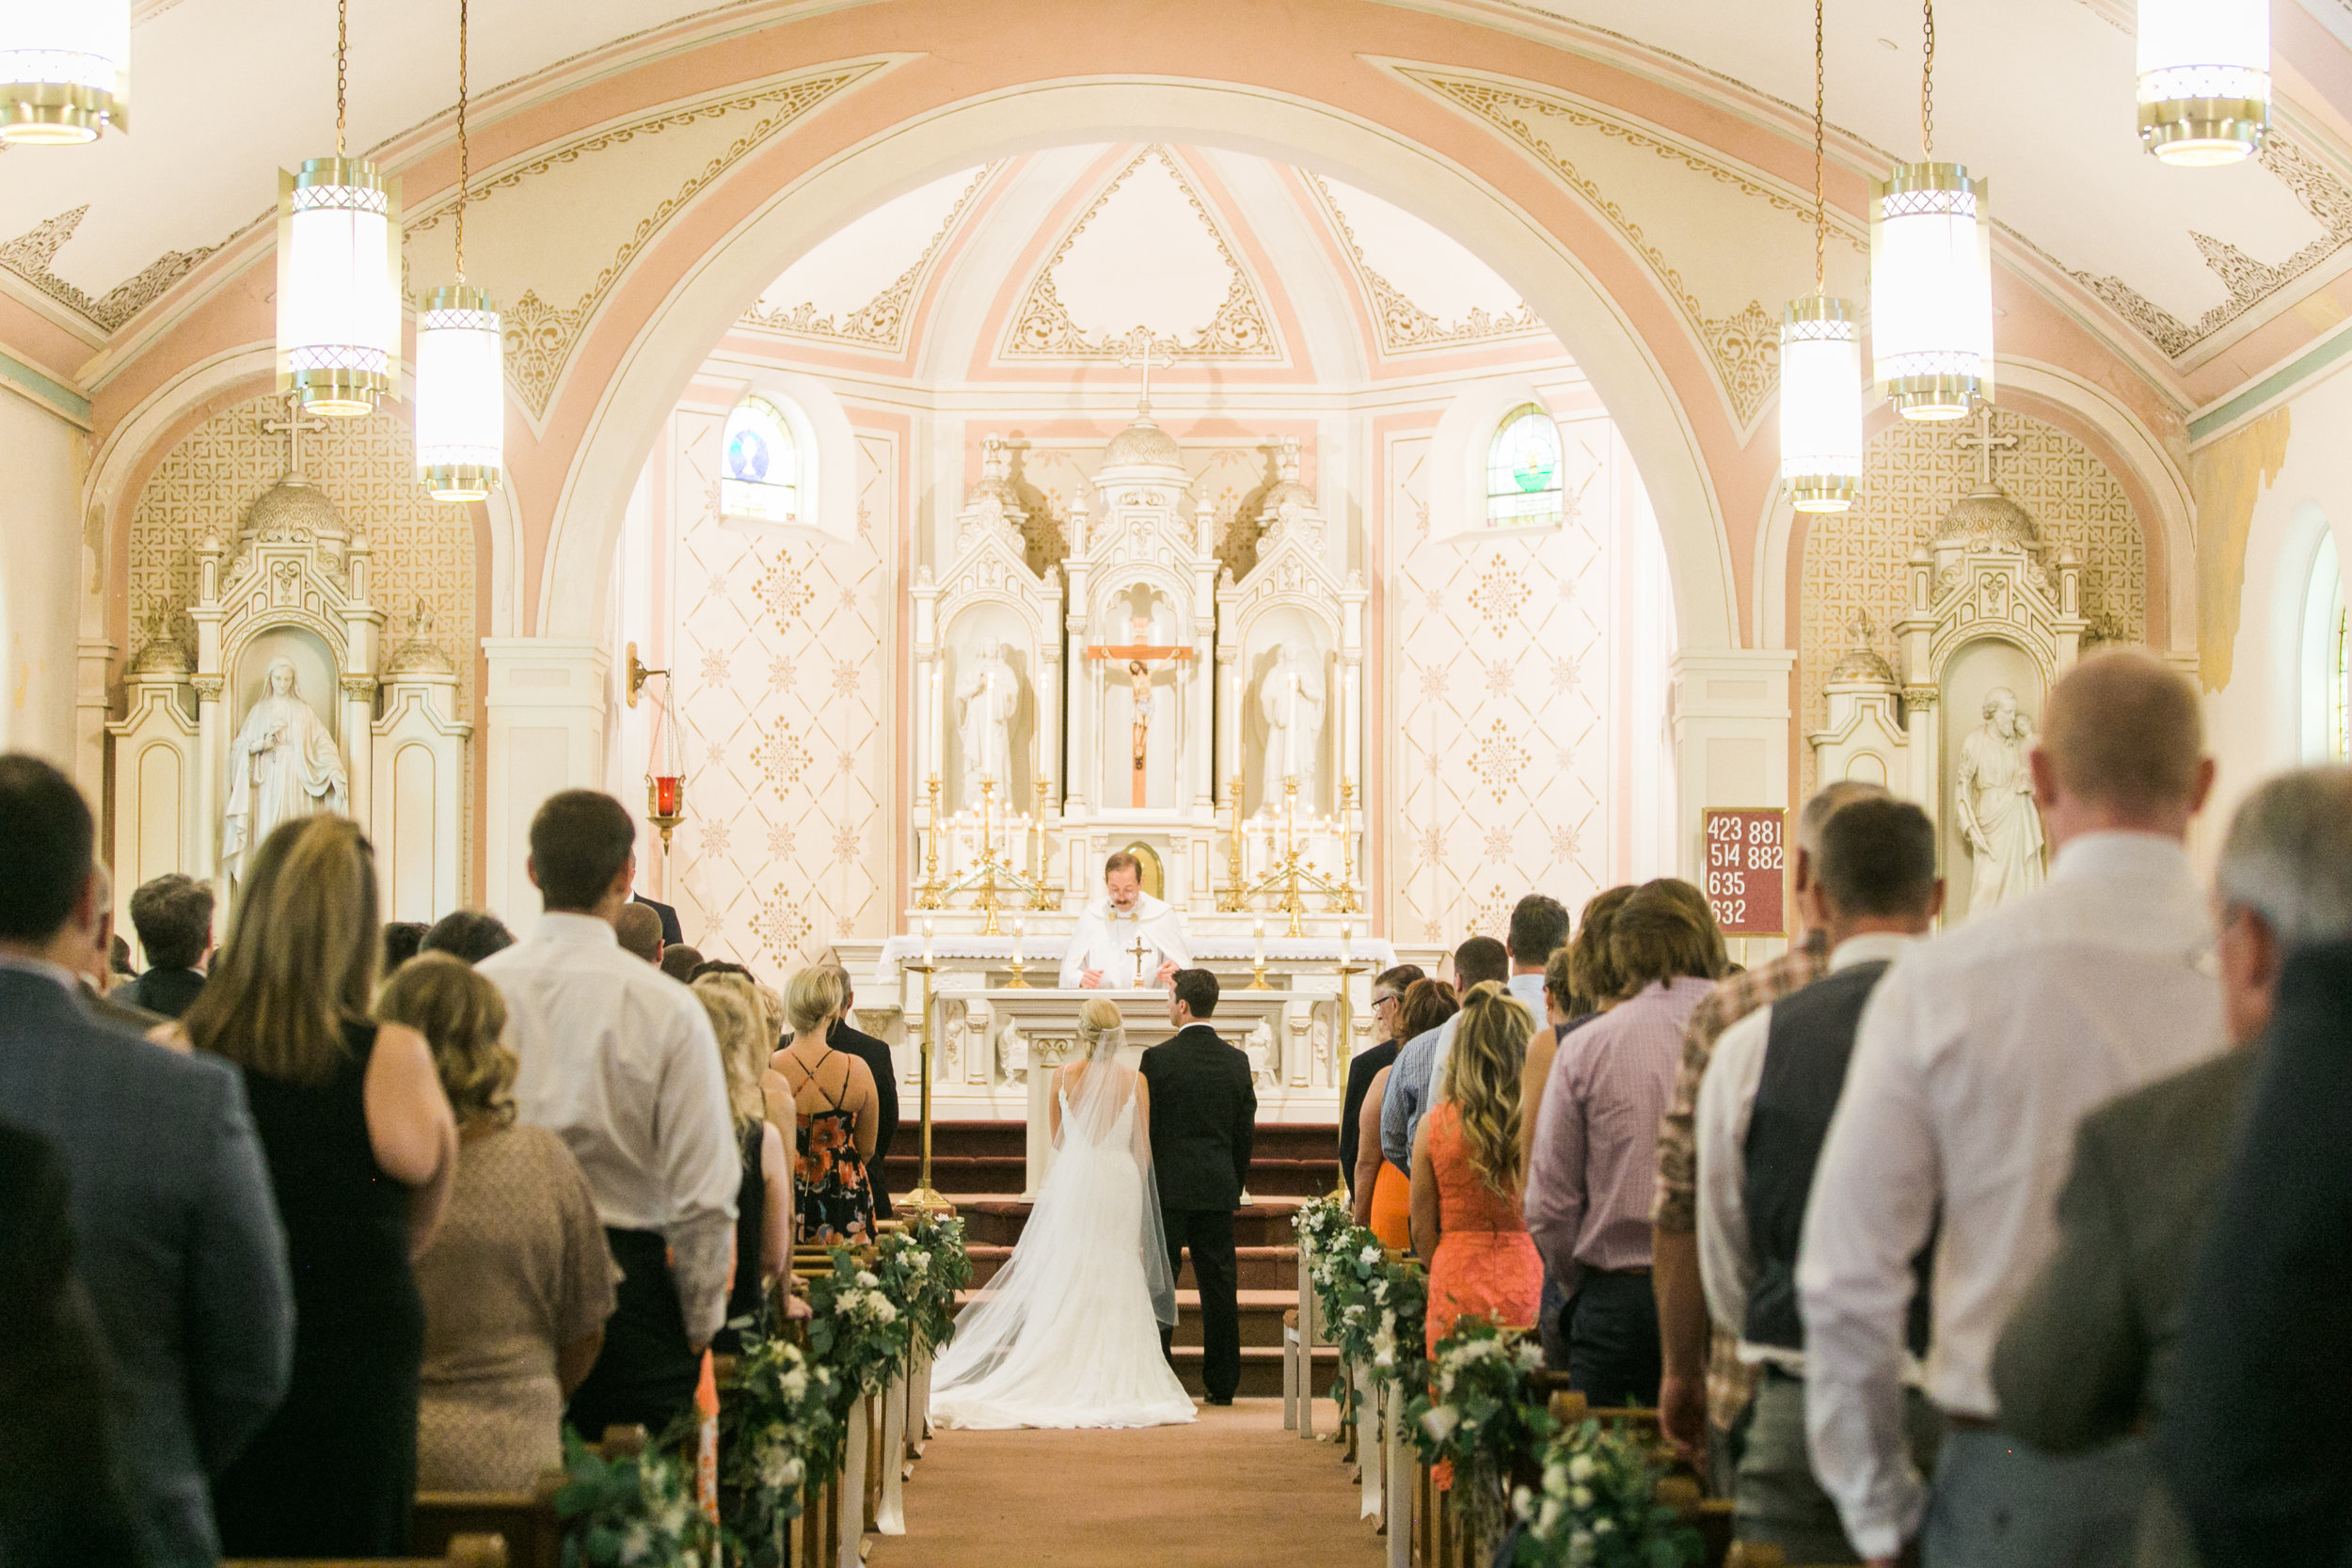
(829, 1098)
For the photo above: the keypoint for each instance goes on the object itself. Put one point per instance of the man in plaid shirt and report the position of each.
(1704, 1390)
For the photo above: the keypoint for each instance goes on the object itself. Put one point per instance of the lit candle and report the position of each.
(1019, 927)
(927, 944)
(1346, 931)
(1258, 958)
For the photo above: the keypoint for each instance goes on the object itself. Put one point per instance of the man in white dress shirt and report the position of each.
(1102, 951)
(1977, 1056)
(619, 1059)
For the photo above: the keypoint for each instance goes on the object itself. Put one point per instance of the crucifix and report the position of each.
(1141, 351)
(1139, 951)
(294, 424)
(1985, 443)
(1138, 653)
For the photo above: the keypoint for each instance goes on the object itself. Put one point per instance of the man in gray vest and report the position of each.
(1764, 1108)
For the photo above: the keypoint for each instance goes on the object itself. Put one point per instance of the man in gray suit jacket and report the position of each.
(2088, 1353)
(174, 1228)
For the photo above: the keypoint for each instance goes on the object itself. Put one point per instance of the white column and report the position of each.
(1731, 739)
(546, 704)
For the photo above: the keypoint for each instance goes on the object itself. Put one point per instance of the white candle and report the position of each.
(939, 726)
(1018, 928)
(927, 944)
(1259, 932)
(1290, 734)
(1346, 931)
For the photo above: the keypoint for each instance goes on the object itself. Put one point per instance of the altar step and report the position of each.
(1288, 1159)
(1260, 1371)
(998, 1222)
(1262, 1268)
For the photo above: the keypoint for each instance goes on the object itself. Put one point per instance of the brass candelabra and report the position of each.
(991, 877)
(1292, 875)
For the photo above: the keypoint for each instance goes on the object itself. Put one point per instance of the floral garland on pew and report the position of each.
(923, 1265)
(1597, 1507)
(639, 1510)
(1372, 1306)
(854, 1328)
(1479, 1412)
(780, 1420)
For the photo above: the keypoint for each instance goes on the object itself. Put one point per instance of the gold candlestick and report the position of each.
(1235, 896)
(928, 896)
(1347, 901)
(924, 1198)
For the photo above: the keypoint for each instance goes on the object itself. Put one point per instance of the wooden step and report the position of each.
(998, 1221)
(1260, 1371)
(1261, 1268)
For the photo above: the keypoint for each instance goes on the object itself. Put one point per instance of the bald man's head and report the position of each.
(2123, 737)
(638, 928)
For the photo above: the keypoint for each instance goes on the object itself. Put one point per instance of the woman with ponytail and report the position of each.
(1469, 1174)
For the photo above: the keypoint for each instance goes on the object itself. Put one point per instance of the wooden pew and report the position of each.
(465, 1551)
(525, 1522)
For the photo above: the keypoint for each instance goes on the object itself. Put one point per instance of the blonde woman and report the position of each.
(1068, 1332)
(763, 1207)
(361, 1148)
(519, 1282)
(829, 1095)
(1468, 1174)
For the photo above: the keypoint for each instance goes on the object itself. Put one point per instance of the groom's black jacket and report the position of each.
(1204, 1115)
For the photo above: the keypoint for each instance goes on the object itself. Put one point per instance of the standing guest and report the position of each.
(402, 939)
(621, 1063)
(1388, 1013)
(1204, 1123)
(1412, 1077)
(638, 929)
(1580, 983)
(1975, 1062)
(173, 917)
(469, 935)
(1540, 928)
(763, 1201)
(92, 973)
(1703, 1396)
(176, 1236)
(671, 930)
(1468, 1225)
(835, 1113)
(118, 960)
(1595, 1161)
(2088, 1354)
(680, 962)
(362, 1150)
(876, 1055)
(518, 1282)
(1764, 1107)
(1384, 1192)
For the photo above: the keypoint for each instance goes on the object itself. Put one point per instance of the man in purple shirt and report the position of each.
(1594, 1165)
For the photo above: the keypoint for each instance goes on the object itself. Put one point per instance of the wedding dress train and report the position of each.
(1068, 1332)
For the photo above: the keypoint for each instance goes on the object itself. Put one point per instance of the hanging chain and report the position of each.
(1927, 82)
(461, 164)
(342, 47)
(1820, 205)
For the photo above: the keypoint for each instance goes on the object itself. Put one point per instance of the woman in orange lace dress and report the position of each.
(1469, 1174)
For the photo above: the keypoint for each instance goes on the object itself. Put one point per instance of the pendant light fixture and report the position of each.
(461, 362)
(2205, 79)
(1820, 362)
(338, 272)
(64, 71)
(1931, 275)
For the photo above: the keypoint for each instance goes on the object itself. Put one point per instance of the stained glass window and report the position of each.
(1523, 472)
(759, 471)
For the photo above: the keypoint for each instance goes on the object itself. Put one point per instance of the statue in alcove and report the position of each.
(1994, 797)
(283, 764)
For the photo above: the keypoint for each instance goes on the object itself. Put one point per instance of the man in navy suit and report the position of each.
(175, 1231)
(1204, 1121)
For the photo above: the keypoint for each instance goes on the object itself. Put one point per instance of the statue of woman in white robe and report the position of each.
(988, 694)
(283, 764)
(1994, 794)
(1290, 701)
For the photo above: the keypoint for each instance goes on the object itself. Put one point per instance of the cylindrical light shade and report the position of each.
(461, 402)
(64, 69)
(1820, 405)
(338, 285)
(1931, 289)
(2205, 79)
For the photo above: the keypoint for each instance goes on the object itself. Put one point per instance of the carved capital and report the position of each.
(359, 687)
(1921, 697)
(208, 687)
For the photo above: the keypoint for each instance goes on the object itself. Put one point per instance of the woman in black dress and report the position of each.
(837, 1115)
(361, 1146)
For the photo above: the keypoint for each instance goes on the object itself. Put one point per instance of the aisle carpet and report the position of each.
(1233, 1488)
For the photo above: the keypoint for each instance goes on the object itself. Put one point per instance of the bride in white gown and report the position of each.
(1068, 1332)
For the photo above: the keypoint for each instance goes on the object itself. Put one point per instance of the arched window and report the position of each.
(759, 465)
(2327, 671)
(1523, 471)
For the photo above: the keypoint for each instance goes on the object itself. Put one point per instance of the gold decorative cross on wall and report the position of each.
(1985, 442)
(1143, 351)
(294, 424)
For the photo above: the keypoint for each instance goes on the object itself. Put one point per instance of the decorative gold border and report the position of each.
(1402, 326)
(881, 322)
(29, 254)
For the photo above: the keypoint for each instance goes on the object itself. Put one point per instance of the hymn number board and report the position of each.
(1745, 852)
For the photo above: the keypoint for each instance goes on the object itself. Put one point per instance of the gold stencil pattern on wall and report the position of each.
(784, 688)
(1402, 326)
(881, 322)
(1911, 476)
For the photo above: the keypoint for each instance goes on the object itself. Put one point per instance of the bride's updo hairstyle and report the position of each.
(1099, 1027)
(1482, 1079)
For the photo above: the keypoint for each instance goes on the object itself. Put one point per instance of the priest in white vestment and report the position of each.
(1102, 951)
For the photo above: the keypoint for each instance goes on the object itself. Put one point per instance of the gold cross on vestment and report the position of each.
(1141, 351)
(1985, 442)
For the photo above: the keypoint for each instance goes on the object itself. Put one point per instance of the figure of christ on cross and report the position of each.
(1138, 653)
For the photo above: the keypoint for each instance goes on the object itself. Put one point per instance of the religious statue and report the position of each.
(987, 695)
(282, 764)
(1994, 797)
(1139, 715)
(1290, 701)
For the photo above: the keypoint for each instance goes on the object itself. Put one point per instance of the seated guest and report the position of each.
(680, 962)
(173, 917)
(638, 929)
(763, 1204)
(402, 939)
(1412, 1077)
(1765, 1104)
(1384, 1196)
(518, 1282)
(876, 1055)
(660, 1159)
(2088, 1354)
(470, 935)
(1595, 1161)
(1388, 1010)
(361, 1149)
(174, 1230)
(829, 1095)
(1466, 1221)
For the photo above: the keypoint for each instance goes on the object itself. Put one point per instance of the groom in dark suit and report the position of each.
(1204, 1115)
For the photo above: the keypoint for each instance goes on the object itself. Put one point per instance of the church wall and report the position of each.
(43, 573)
